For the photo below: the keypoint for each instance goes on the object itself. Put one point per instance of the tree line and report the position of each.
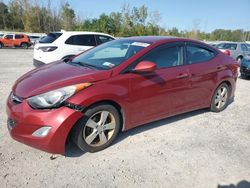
(37, 16)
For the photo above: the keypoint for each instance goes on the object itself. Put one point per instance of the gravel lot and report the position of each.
(197, 149)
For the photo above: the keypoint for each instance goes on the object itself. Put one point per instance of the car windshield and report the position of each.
(51, 37)
(228, 46)
(110, 54)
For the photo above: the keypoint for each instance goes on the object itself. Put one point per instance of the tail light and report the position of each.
(47, 48)
(227, 52)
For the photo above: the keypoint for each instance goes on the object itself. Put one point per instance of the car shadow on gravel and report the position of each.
(241, 184)
(73, 151)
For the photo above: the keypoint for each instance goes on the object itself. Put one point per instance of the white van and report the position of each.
(59, 45)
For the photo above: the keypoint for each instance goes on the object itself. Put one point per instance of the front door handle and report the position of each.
(219, 66)
(180, 76)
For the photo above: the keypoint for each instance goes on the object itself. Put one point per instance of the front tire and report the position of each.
(220, 98)
(1, 45)
(239, 59)
(97, 129)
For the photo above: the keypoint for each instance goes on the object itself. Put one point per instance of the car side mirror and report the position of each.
(6, 37)
(145, 66)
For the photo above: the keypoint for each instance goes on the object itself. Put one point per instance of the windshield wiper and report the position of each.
(88, 65)
(81, 64)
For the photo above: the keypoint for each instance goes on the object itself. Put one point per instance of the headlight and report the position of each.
(55, 98)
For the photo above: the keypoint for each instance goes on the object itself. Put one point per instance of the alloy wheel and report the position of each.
(99, 128)
(221, 97)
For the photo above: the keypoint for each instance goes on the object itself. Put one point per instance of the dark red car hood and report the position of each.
(55, 75)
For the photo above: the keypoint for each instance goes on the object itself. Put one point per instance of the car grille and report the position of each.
(15, 99)
(11, 123)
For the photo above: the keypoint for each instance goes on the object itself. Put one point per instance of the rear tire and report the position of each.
(220, 98)
(24, 46)
(97, 129)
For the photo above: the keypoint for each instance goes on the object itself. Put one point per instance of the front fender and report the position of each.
(98, 92)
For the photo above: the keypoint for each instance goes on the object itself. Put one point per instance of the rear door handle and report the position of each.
(186, 75)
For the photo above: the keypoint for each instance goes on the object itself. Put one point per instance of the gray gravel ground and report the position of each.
(197, 149)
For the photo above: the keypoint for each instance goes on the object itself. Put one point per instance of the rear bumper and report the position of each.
(38, 63)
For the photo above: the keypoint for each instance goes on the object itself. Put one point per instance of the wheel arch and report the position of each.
(226, 81)
(239, 56)
(96, 103)
(113, 103)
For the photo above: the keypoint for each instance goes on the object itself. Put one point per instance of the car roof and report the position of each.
(82, 32)
(154, 39)
(233, 43)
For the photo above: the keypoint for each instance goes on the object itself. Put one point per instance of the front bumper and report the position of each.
(23, 121)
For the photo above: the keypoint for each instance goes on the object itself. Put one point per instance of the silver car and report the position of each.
(237, 50)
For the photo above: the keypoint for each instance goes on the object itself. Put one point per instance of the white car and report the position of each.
(60, 45)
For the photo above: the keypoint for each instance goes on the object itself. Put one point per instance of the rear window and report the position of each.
(228, 46)
(51, 37)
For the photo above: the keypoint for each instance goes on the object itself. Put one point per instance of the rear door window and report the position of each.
(81, 40)
(51, 37)
(198, 54)
(18, 36)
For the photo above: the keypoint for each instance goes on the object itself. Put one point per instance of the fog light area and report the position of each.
(42, 132)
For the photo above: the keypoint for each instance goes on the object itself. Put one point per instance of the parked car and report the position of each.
(245, 68)
(248, 45)
(117, 86)
(59, 45)
(237, 50)
(34, 39)
(15, 40)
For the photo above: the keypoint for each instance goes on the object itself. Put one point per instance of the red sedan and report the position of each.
(115, 87)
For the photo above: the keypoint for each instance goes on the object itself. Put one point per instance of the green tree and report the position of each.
(68, 17)
(16, 14)
(3, 15)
